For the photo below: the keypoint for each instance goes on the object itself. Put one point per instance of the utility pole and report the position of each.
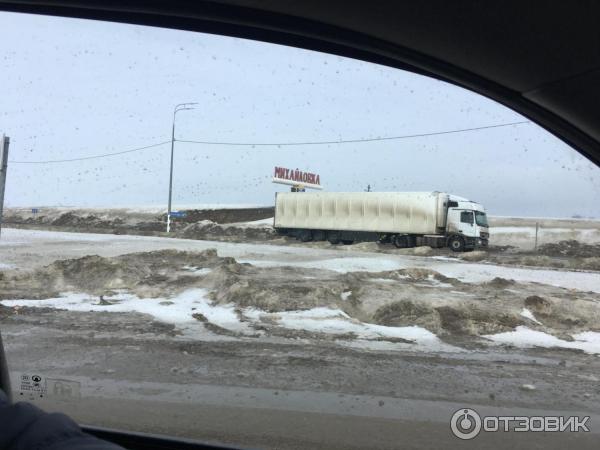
(179, 107)
(171, 175)
(3, 166)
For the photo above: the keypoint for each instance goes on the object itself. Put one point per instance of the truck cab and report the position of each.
(467, 225)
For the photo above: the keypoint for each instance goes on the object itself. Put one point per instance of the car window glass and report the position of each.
(254, 244)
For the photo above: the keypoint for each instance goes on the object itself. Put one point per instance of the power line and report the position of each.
(279, 144)
(351, 141)
(51, 161)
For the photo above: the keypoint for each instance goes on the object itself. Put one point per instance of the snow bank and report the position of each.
(529, 315)
(175, 310)
(179, 310)
(345, 295)
(335, 321)
(524, 337)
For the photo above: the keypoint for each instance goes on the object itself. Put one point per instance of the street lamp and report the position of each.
(179, 107)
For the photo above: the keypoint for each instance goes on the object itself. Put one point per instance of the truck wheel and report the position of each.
(456, 244)
(333, 238)
(401, 241)
(305, 235)
(347, 242)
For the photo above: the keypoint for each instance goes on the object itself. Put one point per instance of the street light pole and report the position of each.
(3, 167)
(179, 107)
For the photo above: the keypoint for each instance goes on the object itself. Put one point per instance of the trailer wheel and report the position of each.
(318, 235)
(333, 238)
(401, 241)
(456, 244)
(305, 235)
(347, 242)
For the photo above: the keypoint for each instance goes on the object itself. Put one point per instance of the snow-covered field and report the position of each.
(25, 249)
(524, 236)
(466, 272)
(180, 310)
(28, 248)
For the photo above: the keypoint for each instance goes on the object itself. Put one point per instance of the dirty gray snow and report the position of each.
(205, 291)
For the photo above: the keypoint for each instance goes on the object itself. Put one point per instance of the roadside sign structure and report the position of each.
(298, 179)
(178, 214)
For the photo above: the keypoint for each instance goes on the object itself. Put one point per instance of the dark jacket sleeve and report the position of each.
(26, 427)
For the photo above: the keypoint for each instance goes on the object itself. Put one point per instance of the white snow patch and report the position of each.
(197, 270)
(588, 341)
(175, 310)
(14, 236)
(262, 223)
(383, 280)
(467, 294)
(529, 315)
(447, 258)
(345, 295)
(335, 321)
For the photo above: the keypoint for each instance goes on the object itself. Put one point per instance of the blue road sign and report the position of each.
(178, 214)
(35, 210)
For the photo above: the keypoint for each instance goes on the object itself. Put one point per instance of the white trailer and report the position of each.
(405, 218)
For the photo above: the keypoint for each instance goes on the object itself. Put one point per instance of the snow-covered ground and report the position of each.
(29, 248)
(25, 249)
(524, 236)
(176, 310)
(180, 310)
(525, 337)
(463, 271)
(262, 223)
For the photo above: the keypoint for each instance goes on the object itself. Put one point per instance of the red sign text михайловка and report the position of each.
(297, 175)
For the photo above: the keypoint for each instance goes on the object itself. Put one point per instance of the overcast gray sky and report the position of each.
(73, 88)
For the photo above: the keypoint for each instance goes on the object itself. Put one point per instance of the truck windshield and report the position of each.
(481, 219)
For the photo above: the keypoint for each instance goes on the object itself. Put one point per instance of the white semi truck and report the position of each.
(407, 219)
